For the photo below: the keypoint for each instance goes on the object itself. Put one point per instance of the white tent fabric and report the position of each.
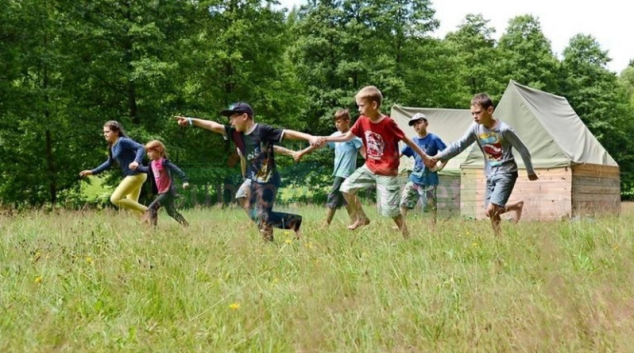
(448, 124)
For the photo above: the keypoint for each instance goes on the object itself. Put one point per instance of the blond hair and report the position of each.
(370, 93)
(157, 146)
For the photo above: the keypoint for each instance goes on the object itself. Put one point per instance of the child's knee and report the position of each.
(115, 199)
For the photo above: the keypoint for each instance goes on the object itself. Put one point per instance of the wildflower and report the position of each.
(474, 245)
(38, 279)
(287, 233)
(234, 306)
(288, 241)
(89, 260)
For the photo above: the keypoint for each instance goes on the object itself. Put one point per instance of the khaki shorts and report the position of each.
(387, 189)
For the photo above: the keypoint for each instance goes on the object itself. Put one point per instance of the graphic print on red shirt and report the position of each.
(381, 143)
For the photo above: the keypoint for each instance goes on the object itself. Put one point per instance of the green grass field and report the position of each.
(100, 282)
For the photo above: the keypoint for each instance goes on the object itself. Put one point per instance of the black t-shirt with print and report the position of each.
(257, 147)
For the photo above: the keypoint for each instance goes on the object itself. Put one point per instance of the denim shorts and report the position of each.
(499, 188)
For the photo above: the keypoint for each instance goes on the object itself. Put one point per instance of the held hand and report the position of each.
(316, 140)
(84, 173)
(297, 156)
(430, 162)
(181, 120)
(133, 165)
(185, 185)
(532, 177)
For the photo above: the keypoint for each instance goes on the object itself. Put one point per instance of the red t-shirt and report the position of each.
(381, 144)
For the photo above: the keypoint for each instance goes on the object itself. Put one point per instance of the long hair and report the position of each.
(114, 126)
(157, 146)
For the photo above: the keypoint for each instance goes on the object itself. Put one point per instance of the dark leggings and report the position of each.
(167, 200)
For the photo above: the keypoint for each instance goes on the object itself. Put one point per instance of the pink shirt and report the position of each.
(161, 176)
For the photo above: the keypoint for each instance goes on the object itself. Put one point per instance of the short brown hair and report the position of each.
(370, 93)
(342, 114)
(483, 100)
(158, 146)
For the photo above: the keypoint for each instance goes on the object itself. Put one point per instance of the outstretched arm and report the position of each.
(426, 159)
(205, 124)
(296, 135)
(523, 151)
(455, 148)
(283, 151)
(341, 138)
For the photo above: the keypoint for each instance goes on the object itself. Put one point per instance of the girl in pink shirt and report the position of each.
(161, 168)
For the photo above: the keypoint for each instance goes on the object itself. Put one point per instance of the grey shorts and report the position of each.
(499, 188)
(412, 192)
(335, 197)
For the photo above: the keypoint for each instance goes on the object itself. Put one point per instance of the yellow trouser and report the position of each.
(126, 195)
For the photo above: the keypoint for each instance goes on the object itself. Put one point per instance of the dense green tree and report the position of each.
(476, 48)
(594, 93)
(526, 56)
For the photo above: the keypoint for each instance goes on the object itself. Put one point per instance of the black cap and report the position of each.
(238, 108)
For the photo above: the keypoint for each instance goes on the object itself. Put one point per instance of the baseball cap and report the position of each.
(238, 108)
(417, 117)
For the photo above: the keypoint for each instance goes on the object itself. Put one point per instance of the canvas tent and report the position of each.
(576, 174)
(449, 125)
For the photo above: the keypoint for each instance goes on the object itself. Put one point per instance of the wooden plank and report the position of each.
(596, 189)
(600, 198)
(577, 180)
(602, 171)
(601, 168)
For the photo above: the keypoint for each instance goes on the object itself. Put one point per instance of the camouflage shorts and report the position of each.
(412, 192)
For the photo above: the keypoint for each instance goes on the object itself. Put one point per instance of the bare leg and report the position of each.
(329, 216)
(493, 212)
(400, 223)
(518, 207)
(404, 211)
(360, 219)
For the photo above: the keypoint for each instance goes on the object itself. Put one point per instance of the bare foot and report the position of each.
(518, 212)
(405, 232)
(359, 223)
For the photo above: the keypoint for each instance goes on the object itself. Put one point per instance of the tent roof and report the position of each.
(549, 127)
(448, 124)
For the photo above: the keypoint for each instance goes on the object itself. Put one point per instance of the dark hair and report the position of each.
(114, 126)
(483, 100)
(342, 114)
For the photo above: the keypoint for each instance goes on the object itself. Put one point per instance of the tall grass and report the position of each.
(101, 282)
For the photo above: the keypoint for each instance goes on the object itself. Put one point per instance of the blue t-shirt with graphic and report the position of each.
(345, 155)
(431, 145)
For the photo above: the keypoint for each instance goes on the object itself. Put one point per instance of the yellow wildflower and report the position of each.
(38, 279)
(234, 306)
(89, 260)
